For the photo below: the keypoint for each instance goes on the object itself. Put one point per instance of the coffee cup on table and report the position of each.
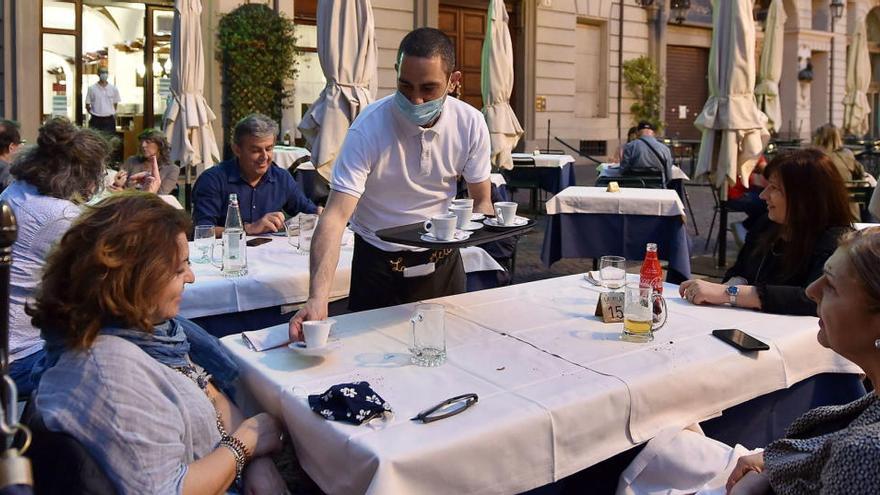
(442, 227)
(316, 332)
(463, 201)
(463, 213)
(505, 213)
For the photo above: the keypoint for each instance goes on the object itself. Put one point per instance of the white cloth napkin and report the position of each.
(267, 338)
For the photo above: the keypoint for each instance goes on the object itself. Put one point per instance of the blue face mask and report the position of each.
(103, 76)
(419, 114)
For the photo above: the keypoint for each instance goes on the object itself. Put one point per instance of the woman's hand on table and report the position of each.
(261, 476)
(703, 292)
(746, 464)
(260, 434)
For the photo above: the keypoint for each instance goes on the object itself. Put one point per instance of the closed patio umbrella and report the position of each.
(347, 51)
(734, 132)
(858, 78)
(770, 70)
(497, 84)
(188, 117)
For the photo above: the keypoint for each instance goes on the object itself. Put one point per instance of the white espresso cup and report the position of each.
(505, 213)
(316, 332)
(442, 227)
(463, 201)
(463, 213)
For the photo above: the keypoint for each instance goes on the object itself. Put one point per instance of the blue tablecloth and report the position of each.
(592, 235)
(551, 179)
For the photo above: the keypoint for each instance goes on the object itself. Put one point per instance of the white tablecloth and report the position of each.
(542, 160)
(862, 226)
(278, 275)
(613, 170)
(558, 391)
(285, 156)
(629, 201)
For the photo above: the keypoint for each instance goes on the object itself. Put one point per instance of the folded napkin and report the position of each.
(267, 338)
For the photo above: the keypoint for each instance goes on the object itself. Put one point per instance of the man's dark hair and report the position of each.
(645, 125)
(426, 43)
(9, 135)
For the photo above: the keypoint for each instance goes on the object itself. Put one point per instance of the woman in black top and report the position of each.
(807, 212)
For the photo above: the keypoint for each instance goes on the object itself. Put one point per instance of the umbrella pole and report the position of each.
(722, 234)
(187, 189)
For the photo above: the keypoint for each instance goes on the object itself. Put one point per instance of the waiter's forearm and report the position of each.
(324, 258)
(481, 193)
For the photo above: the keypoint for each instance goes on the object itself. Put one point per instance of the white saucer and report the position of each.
(460, 235)
(476, 217)
(299, 347)
(518, 222)
(473, 226)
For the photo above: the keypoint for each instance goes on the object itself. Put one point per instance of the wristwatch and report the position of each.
(732, 292)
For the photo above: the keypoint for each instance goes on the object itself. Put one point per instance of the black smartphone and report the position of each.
(256, 241)
(740, 340)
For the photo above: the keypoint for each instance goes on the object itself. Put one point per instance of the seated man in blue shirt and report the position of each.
(646, 155)
(264, 189)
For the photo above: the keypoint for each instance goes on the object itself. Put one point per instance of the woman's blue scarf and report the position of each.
(170, 343)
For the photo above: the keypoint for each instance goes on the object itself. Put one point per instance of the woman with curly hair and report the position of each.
(153, 162)
(52, 179)
(138, 387)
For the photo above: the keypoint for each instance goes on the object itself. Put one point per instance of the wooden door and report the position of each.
(687, 89)
(466, 26)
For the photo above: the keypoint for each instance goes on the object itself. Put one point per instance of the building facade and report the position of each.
(567, 59)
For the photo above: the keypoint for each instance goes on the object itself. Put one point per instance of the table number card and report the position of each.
(610, 307)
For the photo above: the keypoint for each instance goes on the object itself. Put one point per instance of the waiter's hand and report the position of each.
(312, 310)
(270, 222)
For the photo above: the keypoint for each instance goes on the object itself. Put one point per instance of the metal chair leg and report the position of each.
(687, 202)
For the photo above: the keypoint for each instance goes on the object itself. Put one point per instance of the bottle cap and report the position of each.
(652, 246)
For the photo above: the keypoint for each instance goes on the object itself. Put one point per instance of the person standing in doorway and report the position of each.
(101, 101)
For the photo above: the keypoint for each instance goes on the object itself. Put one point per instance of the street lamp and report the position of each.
(837, 9)
(836, 13)
(680, 9)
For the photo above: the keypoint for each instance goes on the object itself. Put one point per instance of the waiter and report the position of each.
(101, 101)
(399, 165)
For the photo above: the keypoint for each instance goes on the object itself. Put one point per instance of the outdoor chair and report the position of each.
(61, 465)
(860, 194)
(525, 175)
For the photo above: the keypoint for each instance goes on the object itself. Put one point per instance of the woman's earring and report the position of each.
(877, 344)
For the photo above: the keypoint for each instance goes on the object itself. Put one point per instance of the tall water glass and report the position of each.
(203, 239)
(307, 224)
(429, 335)
(612, 271)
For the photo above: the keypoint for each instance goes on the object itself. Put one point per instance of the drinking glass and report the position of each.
(639, 322)
(203, 239)
(429, 335)
(307, 224)
(612, 271)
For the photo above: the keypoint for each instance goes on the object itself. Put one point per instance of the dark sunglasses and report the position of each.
(447, 408)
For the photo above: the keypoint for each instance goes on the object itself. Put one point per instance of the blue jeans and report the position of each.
(20, 371)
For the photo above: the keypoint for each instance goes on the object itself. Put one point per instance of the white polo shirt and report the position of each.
(403, 173)
(101, 99)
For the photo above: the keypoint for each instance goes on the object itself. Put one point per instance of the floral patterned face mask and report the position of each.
(354, 403)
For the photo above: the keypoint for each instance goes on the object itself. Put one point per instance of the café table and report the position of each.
(288, 157)
(558, 390)
(549, 172)
(278, 282)
(589, 222)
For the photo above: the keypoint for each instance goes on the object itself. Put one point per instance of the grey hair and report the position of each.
(255, 124)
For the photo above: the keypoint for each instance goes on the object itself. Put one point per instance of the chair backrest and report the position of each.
(60, 463)
(646, 181)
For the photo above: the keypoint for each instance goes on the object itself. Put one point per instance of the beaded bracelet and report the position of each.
(239, 451)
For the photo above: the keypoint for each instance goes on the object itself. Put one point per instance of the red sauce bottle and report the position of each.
(651, 272)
